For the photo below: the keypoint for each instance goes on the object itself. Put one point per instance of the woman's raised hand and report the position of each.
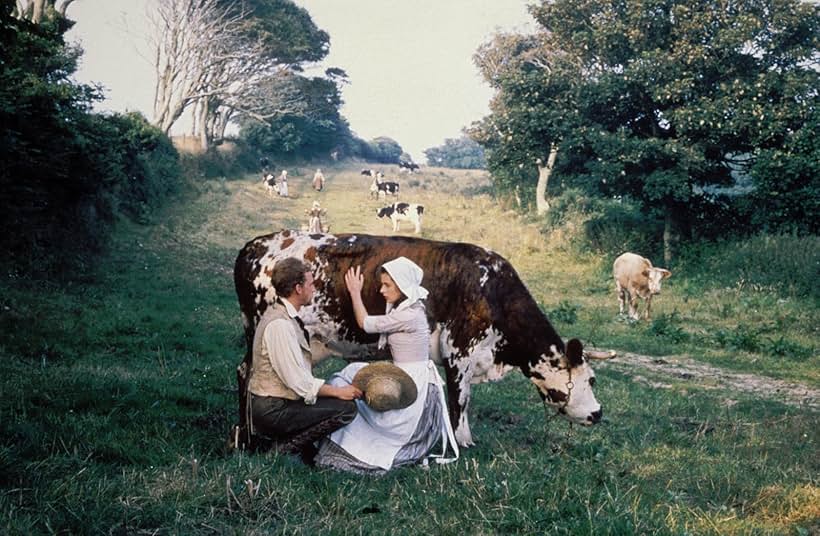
(354, 280)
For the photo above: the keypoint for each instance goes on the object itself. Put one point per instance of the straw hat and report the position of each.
(385, 386)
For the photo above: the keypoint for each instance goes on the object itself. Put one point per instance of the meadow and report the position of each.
(118, 387)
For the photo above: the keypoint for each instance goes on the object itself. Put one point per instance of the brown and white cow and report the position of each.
(636, 277)
(484, 321)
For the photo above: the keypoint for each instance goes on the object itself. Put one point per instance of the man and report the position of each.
(288, 404)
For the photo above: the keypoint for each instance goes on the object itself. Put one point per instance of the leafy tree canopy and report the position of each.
(654, 100)
(287, 30)
(459, 153)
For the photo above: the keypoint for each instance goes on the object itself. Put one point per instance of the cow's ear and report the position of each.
(575, 353)
(665, 273)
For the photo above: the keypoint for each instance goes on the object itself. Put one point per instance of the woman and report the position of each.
(283, 183)
(375, 441)
(318, 180)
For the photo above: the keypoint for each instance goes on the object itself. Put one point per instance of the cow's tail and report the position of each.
(242, 434)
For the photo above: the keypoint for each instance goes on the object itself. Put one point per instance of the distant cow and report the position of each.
(378, 175)
(636, 277)
(484, 320)
(410, 167)
(399, 212)
(379, 189)
(270, 183)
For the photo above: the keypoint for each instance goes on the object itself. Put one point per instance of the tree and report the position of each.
(535, 86)
(67, 173)
(228, 59)
(460, 153)
(659, 100)
(384, 150)
(315, 131)
(37, 10)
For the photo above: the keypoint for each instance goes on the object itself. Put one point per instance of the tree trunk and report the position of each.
(544, 172)
(671, 237)
(204, 142)
(38, 10)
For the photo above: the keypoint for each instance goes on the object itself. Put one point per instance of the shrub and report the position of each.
(666, 327)
(566, 313)
(783, 262)
(784, 348)
(149, 169)
(739, 338)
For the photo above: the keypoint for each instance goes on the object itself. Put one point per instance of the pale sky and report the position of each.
(409, 62)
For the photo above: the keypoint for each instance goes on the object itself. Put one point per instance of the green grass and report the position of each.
(118, 389)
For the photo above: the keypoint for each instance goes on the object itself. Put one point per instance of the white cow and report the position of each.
(636, 277)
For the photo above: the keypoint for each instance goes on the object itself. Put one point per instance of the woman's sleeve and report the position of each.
(393, 322)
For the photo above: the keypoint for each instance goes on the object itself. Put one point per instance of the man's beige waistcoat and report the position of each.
(264, 380)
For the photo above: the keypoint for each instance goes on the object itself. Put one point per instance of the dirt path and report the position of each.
(669, 370)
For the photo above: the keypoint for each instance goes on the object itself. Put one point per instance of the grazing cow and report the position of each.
(381, 189)
(636, 277)
(484, 322)
(399, 212)
(315, 215)
(270, 183)
(378, 175)
(410, 167)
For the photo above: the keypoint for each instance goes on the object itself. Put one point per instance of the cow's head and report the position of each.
(565, 383)
(654, 276)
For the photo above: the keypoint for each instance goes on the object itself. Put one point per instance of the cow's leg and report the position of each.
(646, 308)
(633, 305)
(459, 376)
(621, 292)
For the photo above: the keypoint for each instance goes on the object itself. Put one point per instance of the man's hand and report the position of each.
(346, 392)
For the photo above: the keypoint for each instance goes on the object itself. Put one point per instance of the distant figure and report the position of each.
(283, 183)
(318, 180)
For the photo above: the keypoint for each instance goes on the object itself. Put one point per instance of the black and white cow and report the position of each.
(484, 321)
(381, 189)
(399, 212)
(378, 175)
(410, 167)
(270, 183)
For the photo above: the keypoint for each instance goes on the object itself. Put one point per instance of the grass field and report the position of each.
(118, 389)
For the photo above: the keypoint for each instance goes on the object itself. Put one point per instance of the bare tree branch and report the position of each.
(201, 58)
